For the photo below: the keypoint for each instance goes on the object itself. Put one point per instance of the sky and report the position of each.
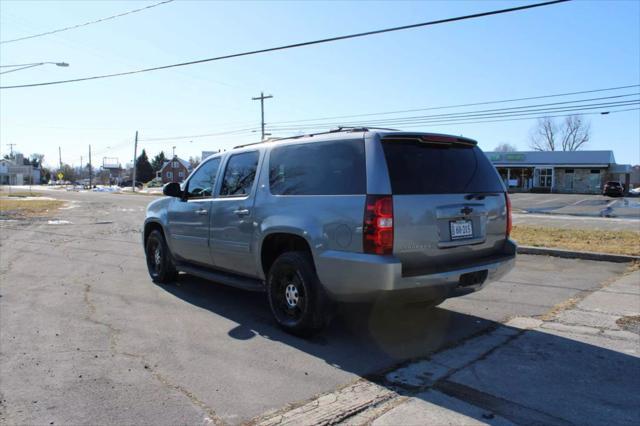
(575, 46)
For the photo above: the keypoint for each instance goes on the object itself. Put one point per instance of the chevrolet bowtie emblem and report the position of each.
(466, 211)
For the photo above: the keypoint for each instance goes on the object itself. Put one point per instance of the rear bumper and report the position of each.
(364, 277)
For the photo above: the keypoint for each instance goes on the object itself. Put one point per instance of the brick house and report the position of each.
(175, 170)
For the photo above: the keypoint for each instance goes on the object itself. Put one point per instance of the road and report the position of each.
(576, 222)
(87, 338)
(580, 205)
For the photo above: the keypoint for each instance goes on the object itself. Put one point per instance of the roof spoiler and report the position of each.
(431, 138)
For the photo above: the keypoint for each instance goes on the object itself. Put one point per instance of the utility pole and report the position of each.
(174, 152)
(81, 167)
(262, 97)
(135, 154)
(90, 169)
(11, 145)
(60, 156)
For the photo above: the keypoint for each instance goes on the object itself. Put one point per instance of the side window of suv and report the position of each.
(203, 182)
(240, 174)
(322, 168)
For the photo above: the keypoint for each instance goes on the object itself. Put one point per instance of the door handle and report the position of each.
(202, 212)
(241, 212)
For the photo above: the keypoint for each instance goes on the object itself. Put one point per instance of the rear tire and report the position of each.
(296, 296)
(159, 259)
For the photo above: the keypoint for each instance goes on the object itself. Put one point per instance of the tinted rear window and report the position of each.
(322, 168)
(423, 168)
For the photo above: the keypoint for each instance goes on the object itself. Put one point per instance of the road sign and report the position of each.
(60, 175)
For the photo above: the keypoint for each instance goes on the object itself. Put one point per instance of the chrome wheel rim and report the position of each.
(291, 295)
(157, 257)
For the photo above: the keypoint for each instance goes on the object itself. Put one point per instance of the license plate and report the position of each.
(461, 229)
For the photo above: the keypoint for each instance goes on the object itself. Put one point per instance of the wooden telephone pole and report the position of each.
(262, 97)
(90, 169)
(135, 154)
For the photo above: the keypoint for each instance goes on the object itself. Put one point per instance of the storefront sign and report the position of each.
(506, 157)
(514, 157)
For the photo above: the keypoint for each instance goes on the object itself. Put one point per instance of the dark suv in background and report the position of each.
(613, 189)
(346, 215)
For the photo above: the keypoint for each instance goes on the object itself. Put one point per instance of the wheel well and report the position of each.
(149, 228)
(276, 244)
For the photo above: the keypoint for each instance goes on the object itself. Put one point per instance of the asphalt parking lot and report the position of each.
(577, 204)
(87, 338)
(578, 211)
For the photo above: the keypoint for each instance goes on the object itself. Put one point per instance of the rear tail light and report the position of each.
(377, 232)
(509, 219)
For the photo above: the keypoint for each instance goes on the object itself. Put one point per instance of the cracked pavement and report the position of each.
(87, 338)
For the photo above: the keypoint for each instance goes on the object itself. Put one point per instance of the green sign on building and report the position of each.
(515, 157)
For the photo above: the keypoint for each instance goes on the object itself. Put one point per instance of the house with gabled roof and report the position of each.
(174, 170)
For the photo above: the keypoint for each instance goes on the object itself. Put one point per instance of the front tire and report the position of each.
(295, 294)
(159, 260)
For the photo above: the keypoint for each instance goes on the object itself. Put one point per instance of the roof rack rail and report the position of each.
(359, 129)
(336, 130)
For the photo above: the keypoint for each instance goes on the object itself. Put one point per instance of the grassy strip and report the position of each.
(615, 242)
(22, 208)
(148, 194)
(23, 194)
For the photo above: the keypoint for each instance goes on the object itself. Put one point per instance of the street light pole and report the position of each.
(19, 67)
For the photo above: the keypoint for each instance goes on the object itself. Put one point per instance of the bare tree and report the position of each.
(570, 135)
(543, 136)
(505, 147)
(194, 162)
(575, 133)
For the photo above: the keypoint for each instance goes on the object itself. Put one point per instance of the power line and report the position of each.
(170, 138)
(537, 112)
(247, 130)
(301, 44)
(528, 118)
(513, 119)
(486, 112)
(86, 23)
(460, 105)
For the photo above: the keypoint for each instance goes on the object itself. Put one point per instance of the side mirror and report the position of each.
(172, 189)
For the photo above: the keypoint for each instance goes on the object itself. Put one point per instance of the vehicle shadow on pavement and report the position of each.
(499, 372)
(362, 339)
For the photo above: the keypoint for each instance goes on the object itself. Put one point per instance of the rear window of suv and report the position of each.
(428, 168)
(318, 168)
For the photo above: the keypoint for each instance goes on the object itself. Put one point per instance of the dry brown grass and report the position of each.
(616, 242)
(23, 194)
(27, 208)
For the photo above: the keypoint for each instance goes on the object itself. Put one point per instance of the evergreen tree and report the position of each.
(158, 161)
(144, 171)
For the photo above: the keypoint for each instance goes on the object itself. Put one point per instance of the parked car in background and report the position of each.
(155, 183)
(127, 184)
(346, 215)
(613, 189)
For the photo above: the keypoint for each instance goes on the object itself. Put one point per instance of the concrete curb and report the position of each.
(586, 255)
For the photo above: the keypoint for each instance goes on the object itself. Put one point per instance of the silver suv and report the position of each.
(346, 215)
